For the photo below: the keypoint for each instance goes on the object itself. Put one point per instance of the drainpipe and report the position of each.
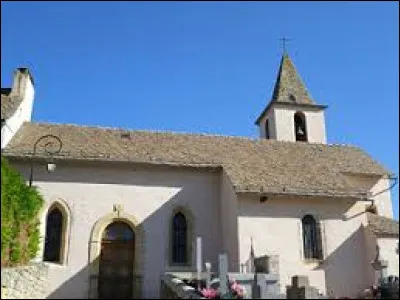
(391, 177)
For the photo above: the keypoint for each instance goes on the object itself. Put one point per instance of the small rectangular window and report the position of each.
(267, 129)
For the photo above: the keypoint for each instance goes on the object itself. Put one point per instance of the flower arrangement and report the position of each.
(209, 293)
(236, 291)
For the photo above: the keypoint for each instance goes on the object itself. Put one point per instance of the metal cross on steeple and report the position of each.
(284, 41)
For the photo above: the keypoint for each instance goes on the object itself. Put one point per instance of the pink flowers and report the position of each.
(209, 293)
(238, 289)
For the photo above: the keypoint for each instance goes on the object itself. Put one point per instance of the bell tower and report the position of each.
(292, 115)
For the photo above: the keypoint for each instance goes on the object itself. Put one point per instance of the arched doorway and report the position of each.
(116, 264)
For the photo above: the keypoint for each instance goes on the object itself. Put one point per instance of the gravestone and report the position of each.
(267, 264)
(223, 273)
(300, 289)
(273, 264)
(198, 258)
(255, 288)
(208, 275)
(261, 264)
(380, 266)
(389, 287)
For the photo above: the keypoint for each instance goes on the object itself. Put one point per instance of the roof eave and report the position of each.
(88, 159)
(278, 103)
(357, 195)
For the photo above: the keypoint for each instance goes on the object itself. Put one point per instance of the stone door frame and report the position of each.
(95, 248)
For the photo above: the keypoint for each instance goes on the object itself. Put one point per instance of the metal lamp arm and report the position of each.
(47, 145)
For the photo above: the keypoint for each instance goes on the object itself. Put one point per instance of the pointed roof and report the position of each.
(289, 87)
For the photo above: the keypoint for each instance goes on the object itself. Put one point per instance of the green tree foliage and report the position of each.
(20, 206)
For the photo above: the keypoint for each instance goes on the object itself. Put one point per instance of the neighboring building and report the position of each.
(123, 207)
(16, 104)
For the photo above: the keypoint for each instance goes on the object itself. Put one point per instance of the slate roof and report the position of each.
(382, 225)
(289, 83)
(9, 103)
(252, 164)
(289, 88)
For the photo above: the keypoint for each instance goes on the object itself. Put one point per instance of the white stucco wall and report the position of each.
(275, 227)
(284, 124)
(224, 220)
(370, 254)
(149, 195)
(272, 127)
(376, 185)
(23, 112)
(383, 200)
(389, 251)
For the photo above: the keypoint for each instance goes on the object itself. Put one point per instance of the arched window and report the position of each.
(267, 129)
(292, 98)
(54, 235)
(179, 239)
(312, 243)
(300, 128)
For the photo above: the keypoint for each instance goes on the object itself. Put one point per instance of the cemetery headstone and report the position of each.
(223, 273)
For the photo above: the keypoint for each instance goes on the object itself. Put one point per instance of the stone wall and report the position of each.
(27, 282)
(173, 287)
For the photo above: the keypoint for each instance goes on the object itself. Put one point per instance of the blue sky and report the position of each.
(209, 66)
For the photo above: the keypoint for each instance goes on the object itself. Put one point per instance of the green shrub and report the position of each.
(20, 205)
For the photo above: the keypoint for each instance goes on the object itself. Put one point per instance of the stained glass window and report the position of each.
(179, 239)
(53, 240)
(312, 243)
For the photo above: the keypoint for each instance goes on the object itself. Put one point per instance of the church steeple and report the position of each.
(288, 86)
(292, 114)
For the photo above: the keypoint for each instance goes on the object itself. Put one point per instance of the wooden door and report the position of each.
(116, 262)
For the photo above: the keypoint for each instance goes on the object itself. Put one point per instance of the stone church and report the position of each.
(123, 207)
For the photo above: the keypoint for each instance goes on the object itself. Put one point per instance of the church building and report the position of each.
(122, 207)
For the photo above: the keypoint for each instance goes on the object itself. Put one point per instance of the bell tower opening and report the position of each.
(300, 128)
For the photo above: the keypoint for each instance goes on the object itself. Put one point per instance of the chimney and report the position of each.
(22, 82)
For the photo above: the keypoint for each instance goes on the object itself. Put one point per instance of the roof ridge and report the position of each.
(101, 127)
(181, 133)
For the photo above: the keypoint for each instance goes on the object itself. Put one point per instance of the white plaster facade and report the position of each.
(150, 195)
(270, 116)
(276, 229)
(226, 221)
